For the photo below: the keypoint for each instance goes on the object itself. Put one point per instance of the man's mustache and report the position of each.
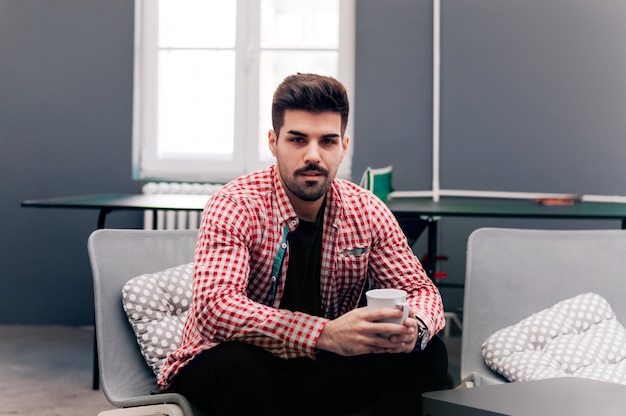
(314, 167)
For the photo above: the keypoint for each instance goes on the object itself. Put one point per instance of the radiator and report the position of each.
(170, 219)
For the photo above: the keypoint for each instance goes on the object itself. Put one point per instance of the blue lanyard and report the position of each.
(278, 263)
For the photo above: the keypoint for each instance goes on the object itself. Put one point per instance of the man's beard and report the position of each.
(310, 190)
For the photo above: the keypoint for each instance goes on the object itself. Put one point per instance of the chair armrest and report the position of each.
(165, 409)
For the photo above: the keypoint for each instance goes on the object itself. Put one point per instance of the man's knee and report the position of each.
(221, 376)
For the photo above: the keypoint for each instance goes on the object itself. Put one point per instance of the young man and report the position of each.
(283, 258)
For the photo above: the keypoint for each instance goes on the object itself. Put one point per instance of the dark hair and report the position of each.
(310, 92)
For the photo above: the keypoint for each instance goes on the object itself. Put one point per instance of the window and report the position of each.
(205, 72)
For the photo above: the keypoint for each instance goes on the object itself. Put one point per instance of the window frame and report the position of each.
(147, 166)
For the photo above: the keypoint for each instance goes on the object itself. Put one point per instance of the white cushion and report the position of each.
(156, 305)
(577, 337)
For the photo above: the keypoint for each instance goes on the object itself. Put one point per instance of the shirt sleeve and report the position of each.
(394, 265)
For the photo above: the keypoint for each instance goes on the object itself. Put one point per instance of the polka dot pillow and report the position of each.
(156, 305)
(577, 337)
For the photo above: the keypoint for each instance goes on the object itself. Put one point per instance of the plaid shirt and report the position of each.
(238, 281)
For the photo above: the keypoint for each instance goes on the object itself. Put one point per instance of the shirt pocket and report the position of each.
(352, 265)
(350, 279)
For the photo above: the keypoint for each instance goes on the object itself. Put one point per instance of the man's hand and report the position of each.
(357, 332)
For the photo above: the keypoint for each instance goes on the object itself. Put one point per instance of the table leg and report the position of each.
(431, 267)
(102, 217)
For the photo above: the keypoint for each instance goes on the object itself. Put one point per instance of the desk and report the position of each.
(557, 396)
(414, 214)
(112, 202)
(421, 209)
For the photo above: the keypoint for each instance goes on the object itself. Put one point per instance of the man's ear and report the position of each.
(345, 144)
(271, 141)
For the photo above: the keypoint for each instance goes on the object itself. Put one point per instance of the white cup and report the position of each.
(390, 299)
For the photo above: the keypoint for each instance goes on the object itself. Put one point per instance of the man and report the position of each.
(284, 256)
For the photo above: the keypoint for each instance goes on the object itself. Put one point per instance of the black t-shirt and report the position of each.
(302, 287)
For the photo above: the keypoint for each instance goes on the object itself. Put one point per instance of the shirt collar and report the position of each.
(285, 212)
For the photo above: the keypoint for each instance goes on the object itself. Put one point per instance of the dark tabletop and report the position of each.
(121, 201)
(522, 208)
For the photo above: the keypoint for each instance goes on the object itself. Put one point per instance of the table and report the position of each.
(409, 210)
(108, 203)
(557, 396)
(414, 214)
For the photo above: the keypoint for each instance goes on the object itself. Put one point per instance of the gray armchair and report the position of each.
(117, 256)
(513, 273)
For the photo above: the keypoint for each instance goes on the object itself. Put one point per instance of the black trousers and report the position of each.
(243, 379)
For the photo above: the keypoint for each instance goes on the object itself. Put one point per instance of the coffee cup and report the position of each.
(390, 299)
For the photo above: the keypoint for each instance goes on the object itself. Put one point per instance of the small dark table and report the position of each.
(557, 396)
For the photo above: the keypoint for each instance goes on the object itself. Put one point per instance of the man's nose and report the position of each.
(312, 153)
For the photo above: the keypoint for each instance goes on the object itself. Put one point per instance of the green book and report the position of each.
(378, 180)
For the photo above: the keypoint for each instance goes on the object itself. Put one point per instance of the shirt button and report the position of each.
(293, 222)
(284, 245)
(273, 278)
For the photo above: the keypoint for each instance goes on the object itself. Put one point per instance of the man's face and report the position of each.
(308, 152)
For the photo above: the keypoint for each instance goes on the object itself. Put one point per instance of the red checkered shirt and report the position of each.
(242, 233)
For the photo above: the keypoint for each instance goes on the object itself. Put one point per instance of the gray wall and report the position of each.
(533, 99)
(65, 129)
